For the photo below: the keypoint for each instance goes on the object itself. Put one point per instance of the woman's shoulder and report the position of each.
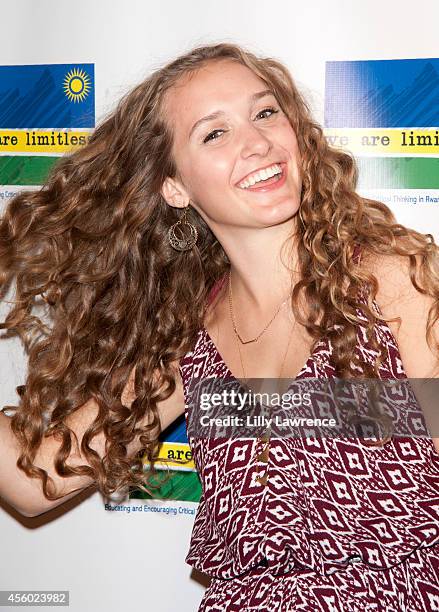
(405, 309)
(395, 289)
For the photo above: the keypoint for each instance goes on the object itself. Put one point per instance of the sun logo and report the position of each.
(76, 85)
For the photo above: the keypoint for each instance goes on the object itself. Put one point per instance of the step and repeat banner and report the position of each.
(377, 99)
(386, 113)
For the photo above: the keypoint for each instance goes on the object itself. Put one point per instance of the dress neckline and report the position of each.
(208, 337)
(383, 324)
(229, 373)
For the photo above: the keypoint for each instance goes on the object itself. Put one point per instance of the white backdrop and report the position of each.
(112, 561)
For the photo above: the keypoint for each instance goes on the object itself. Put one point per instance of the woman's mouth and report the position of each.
(269, 184)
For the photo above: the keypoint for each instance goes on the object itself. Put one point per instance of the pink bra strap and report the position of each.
(216, 287)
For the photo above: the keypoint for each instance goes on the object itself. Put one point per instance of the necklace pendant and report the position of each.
(262, 480)
(264, 456)
(247, 341)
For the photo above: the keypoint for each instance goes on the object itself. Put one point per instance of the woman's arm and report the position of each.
(397, 297)
(25, 494)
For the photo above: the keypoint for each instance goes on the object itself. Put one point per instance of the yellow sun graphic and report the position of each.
(76, 85)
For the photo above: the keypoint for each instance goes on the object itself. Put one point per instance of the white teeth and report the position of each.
(261, 175)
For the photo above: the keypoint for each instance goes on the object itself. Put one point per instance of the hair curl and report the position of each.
(91, 245)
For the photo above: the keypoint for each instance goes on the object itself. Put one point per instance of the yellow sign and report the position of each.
(42, 141)
(382, 141)
(175, 455)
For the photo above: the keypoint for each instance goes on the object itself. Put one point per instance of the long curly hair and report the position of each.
(91, 247)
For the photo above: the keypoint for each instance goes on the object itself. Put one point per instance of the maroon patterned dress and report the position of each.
(339, 526)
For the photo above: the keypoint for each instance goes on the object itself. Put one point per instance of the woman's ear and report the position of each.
(174, 193)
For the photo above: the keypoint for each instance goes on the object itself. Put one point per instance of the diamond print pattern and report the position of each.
(339, 526)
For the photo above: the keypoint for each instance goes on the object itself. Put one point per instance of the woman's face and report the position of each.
(226, 127)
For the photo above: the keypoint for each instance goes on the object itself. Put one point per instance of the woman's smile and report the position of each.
(275, 180)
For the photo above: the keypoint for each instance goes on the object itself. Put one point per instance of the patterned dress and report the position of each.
(338, 526)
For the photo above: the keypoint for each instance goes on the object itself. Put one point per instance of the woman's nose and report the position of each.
(254, 141)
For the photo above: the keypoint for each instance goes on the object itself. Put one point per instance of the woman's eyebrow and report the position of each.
(253, 98)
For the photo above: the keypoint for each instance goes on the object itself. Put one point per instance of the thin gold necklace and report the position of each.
(283, 360)
(233, 318)
(263, 456)
(237, 336)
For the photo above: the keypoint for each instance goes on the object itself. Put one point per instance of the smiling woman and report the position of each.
(225, 140)
(278, 268)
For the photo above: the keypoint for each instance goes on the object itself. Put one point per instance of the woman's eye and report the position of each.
(271, 110)
(210, 135)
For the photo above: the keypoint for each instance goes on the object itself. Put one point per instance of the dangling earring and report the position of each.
(180, 242)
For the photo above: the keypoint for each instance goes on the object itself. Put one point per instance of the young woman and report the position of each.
(277, 269)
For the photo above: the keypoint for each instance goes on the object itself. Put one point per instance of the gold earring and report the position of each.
(179, 241)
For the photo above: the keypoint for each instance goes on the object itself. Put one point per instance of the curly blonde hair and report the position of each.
(92, 244)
